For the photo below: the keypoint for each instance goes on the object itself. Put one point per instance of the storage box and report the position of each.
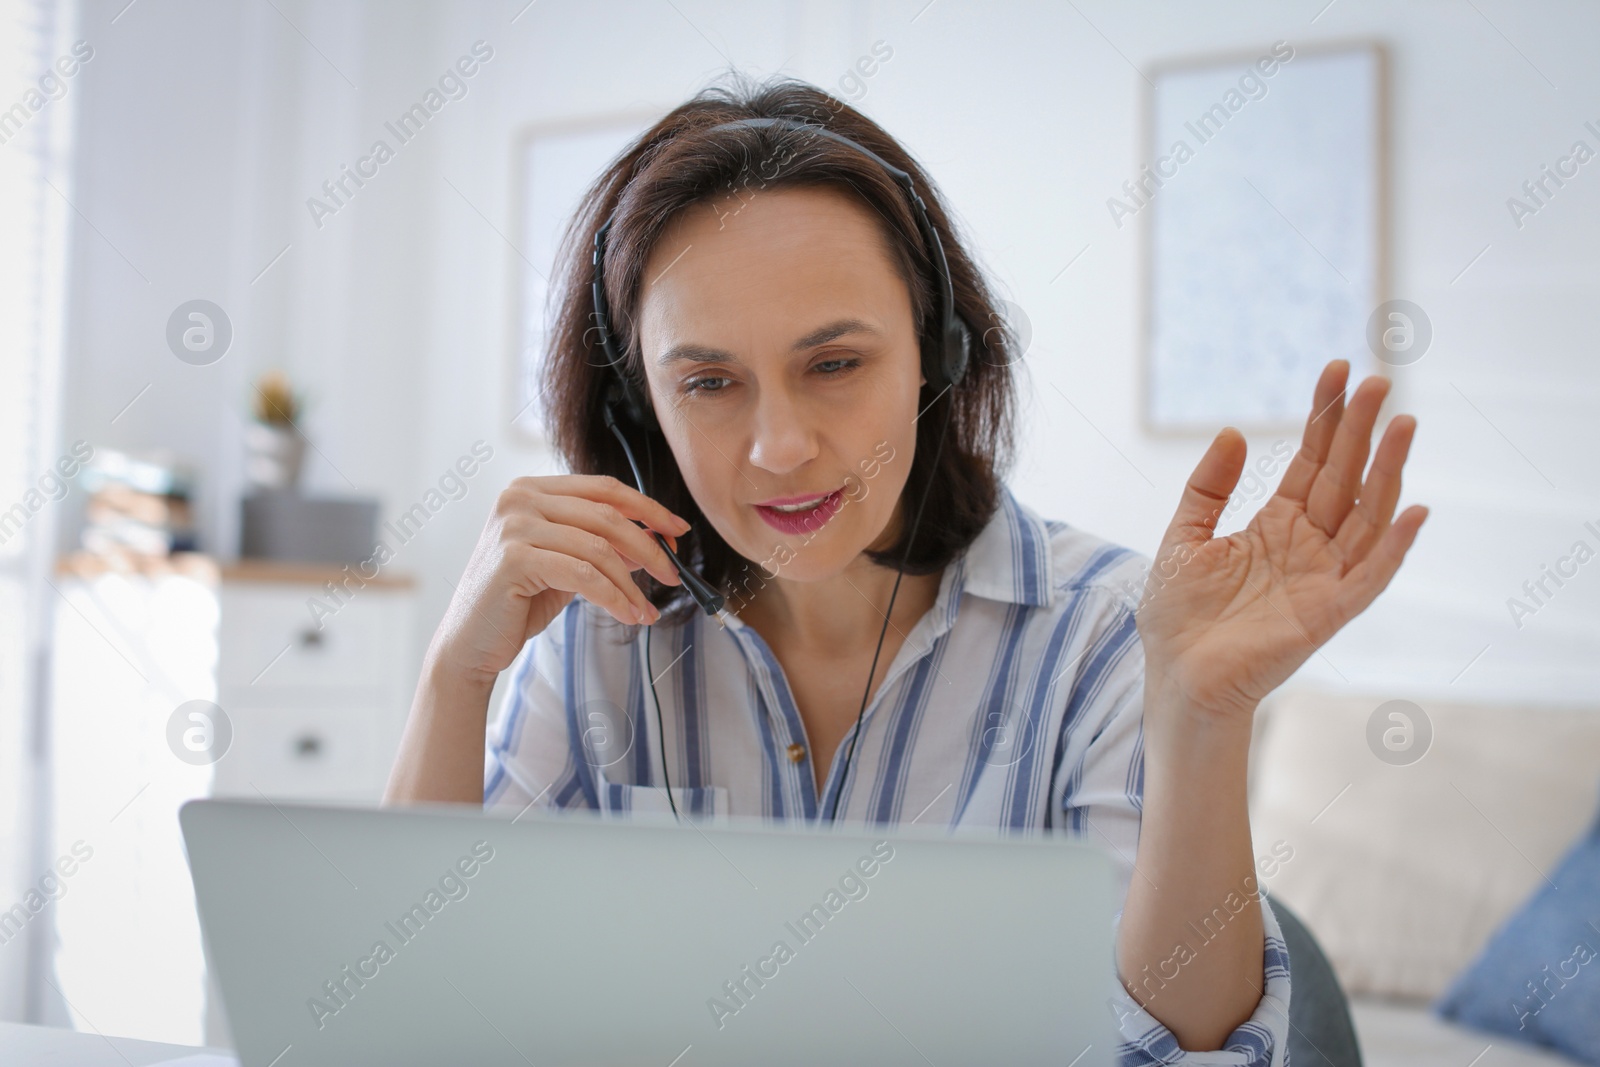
(284, 525)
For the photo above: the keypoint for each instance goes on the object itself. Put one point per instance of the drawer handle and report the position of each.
(307, 746)
(311, 638)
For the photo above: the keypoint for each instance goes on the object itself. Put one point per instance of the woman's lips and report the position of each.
(806, 521)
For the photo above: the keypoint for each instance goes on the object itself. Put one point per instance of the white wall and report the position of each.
(207, 126)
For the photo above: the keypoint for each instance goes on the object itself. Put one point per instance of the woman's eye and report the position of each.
(708, 384)
(830, 367)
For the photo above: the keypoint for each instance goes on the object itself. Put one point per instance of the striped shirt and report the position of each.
(1014, 704)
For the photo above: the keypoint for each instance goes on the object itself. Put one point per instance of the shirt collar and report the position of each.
(1010, 560)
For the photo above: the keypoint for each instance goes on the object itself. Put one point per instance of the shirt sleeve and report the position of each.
(1102, 802)
(528, 756)
(1260, 1041)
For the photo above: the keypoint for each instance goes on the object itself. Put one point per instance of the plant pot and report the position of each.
(273, 455)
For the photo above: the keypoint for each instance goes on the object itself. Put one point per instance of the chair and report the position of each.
(1321, 1033)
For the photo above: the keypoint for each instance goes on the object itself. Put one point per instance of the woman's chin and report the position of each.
(810, 555)
(795, 558)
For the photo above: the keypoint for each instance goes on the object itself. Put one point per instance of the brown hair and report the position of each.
(678, 163)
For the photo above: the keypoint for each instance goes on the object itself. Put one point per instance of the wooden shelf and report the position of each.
(197, 565)
(204, 568)
(271, 570)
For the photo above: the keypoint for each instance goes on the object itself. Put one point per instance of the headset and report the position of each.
(945, 352)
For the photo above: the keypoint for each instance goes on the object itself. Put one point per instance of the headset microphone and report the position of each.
(945, 352)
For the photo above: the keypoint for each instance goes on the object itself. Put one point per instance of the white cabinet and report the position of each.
(130, 648)
(312, 712)
(316, 698)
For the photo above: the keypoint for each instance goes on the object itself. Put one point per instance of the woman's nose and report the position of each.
(783, 438)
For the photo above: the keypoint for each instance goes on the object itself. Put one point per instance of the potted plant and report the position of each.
(275, 447)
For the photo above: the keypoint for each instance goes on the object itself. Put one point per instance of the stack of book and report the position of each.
(138, 505)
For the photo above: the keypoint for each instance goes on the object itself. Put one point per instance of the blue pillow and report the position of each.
(1538, 978)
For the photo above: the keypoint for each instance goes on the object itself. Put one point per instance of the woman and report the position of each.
(777, 309)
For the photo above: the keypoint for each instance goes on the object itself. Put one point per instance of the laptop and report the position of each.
(441, 934)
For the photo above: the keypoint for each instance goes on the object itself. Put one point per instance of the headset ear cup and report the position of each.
(636, 408)
(620, 401)
(957, 350)
(623, 398)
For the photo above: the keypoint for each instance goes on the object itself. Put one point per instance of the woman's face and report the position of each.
(784, 368)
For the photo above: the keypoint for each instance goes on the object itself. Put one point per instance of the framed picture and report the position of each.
(553, 165)
(1263, 200)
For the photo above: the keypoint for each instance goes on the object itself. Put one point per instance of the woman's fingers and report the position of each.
(583, 526)
(1206, 494)
(1370, 517)
(1327, 408)
(626, 499)
(1333, 493)
(569, 574)
(634, 543)
(1371, 576)
(633, 564)
(596, 563)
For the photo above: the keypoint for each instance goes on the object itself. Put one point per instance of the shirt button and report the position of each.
(797, 752)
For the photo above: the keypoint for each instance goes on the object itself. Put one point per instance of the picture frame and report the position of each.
(553, 164)
(1265, 252)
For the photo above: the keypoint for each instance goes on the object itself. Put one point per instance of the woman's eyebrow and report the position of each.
(694, 353)
(838, 328)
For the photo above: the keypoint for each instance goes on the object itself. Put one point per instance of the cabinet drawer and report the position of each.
(302, 752)
(271, 638)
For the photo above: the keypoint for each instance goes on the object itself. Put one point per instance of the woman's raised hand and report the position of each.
(548, 539)
(1225, 620)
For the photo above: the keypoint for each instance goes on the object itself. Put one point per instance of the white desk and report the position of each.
(45, 1046)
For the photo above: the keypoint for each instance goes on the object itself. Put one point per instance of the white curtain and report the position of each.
(36, 122)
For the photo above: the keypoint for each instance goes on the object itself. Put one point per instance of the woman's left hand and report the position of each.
(1225, 620)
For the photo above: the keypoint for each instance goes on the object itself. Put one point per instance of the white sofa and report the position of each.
(1402, 870)
(1407, 1035)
